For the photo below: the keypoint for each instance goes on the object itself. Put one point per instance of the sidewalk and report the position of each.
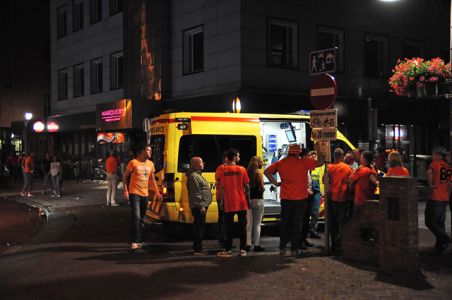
(73, 195)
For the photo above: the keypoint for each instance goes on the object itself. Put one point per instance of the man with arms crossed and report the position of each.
(141, 173)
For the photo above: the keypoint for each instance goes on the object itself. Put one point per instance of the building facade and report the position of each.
(198, 55)
(87, 70)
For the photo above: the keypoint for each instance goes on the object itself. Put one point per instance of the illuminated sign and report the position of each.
(114, 115)
(38, 126)
(110, 137)
(52, 127)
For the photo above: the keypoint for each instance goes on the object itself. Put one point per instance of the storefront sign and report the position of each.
(114, 115)
(110, 137)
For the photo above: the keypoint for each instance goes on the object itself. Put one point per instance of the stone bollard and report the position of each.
(399, 235)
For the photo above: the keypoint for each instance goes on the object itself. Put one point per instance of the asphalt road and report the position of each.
(82, 252)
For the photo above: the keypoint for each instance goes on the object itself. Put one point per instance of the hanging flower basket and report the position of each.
(418, 77)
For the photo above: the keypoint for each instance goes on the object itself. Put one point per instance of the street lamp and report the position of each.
(28, 117)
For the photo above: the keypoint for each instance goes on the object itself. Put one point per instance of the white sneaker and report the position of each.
(242, 252)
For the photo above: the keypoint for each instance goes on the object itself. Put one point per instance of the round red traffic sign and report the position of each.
(323, 91)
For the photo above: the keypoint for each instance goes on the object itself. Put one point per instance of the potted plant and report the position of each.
(417, 76)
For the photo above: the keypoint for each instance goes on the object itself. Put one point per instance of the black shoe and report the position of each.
(247, 248)
(314, 235)
(258, 249)
(308, 244)
(297, 253)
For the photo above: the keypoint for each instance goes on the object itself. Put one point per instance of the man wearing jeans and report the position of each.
(234, 198)
(112, 168)
(438, 179)
(199, 197)
(293, 171)
(141, 173)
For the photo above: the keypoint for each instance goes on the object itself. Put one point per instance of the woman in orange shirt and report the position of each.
(395, 165)
(365, 179)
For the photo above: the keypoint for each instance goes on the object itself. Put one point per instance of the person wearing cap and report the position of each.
(439, 182)
(293, 171)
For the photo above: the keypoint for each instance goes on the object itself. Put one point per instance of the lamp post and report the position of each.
(28, 117)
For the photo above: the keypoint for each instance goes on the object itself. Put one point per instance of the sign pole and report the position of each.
(326, 206)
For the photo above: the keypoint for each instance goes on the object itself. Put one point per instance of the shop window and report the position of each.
(282, 43)
(62, 84)
(77, 15)
(413, 49)
(115, 7)
(211, 147)
(96, 76)
(376, 50)
(193, 50)
(95, 11)
(79, 78)
(327, 38)
(116, 70)
(61, 21)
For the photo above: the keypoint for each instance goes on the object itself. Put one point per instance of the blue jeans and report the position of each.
(138, 204)
(435, 218)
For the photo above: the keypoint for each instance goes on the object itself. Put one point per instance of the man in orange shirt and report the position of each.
(141, 173)
(293, 171)
(439, 180)
(365, 179)
(234, 198)
(338, 173)
(112, 168)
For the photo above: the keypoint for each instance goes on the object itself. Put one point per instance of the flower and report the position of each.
(411, 73)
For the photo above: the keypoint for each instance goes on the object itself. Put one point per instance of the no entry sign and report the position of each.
(323, 91)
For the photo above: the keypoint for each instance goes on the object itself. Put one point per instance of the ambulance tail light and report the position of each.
(168, 188)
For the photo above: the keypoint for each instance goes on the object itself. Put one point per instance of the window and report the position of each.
(193, 50)
(77, 15)
(376, 55)
(78, 77)
(412, 49)
(328, 38)
(210, 148)
(96, 75)
(158, 147)
(61, 21)
(62, 84)
(95, 11)
(116, 71)
(282, 43)
(115, 7)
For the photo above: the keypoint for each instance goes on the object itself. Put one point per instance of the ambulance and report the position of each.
(176, 137)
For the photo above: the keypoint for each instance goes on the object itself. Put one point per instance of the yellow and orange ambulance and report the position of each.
(176, 137)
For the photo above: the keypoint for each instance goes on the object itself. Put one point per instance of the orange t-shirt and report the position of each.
(140, 179)
(111, 164)
(233, 178)
(363, 190)
(398, 171)
(338, 174)
(441, 178)
(294, 185)
(29, 165)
